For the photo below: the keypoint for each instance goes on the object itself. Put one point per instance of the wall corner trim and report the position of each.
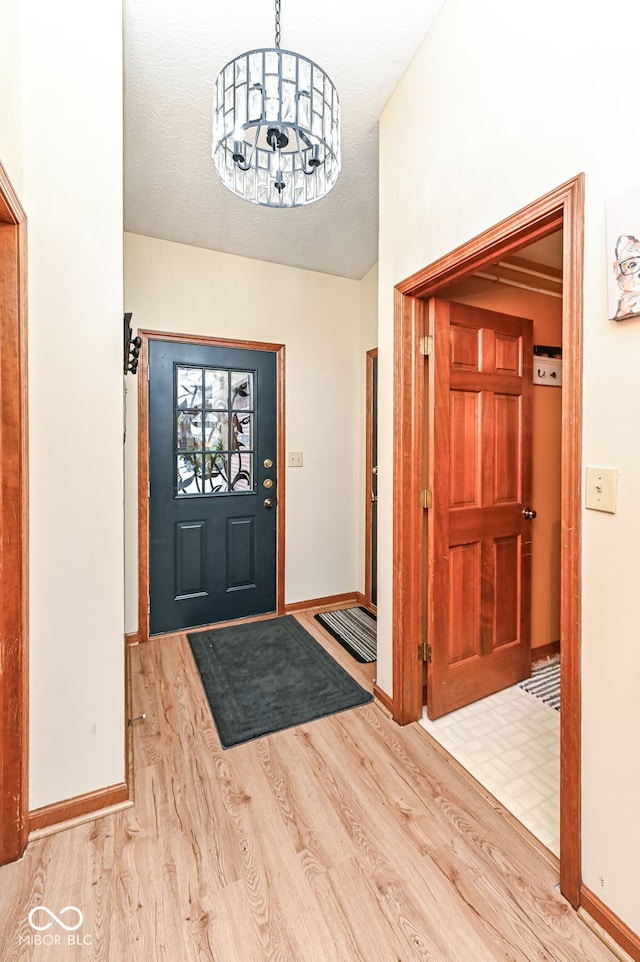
(600, 913)
(75, 811)
(385, 700)
(348, 597)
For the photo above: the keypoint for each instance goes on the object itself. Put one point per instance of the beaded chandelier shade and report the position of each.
(276, 127)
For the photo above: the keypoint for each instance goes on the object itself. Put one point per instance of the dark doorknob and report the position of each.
(529, 513)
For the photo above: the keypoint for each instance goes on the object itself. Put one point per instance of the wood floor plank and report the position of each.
(282, 904)
(350, 904)
(347, 839)
(314, 827)
(228, 936)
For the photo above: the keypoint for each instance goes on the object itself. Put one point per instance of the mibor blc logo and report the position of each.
(46, 927)
(42, 909)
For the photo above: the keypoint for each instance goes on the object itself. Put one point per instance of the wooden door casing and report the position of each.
(480, 470)
(14, 524)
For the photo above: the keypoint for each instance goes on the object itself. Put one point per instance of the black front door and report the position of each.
(212, 484)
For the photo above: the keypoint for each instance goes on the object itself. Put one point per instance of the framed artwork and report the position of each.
(623, 255)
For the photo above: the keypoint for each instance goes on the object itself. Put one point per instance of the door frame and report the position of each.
(560, 208)
(368, 468)
(143, 460)
(14, 519)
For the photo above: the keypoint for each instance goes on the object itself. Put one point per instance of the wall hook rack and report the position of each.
(131, 346)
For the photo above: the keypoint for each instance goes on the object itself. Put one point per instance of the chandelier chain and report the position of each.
(277, 24)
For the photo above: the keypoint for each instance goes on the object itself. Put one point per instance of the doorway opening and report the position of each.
(559, 209)
(13, 527)
(509, 741)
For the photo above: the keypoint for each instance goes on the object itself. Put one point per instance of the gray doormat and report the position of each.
(265, 676)
(355, 629)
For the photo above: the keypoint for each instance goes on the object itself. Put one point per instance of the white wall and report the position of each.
(71, 188)
(503, 103)
(174, 287)
(10, 90)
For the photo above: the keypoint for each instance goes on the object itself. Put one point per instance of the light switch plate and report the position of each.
(294, 459)
(601, 489)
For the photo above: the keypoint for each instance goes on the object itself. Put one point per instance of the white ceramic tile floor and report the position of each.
(510, 742)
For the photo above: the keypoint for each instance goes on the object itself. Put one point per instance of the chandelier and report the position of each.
(276, 127)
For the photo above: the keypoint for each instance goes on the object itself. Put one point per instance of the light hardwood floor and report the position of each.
(348, 839)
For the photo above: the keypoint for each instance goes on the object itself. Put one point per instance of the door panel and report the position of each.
(190, 558)
(465, 602)
(464, 475)
(212, 492)
(478, 542)
(241, 548)
(505, 607)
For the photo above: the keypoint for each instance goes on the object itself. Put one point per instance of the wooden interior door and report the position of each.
(479, 535)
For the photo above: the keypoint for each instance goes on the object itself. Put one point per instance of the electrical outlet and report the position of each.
(294, 459)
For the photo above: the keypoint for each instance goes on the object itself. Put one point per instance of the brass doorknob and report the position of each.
(529, 513)
(268, 502)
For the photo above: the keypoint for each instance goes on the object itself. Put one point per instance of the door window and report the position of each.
(214, 417)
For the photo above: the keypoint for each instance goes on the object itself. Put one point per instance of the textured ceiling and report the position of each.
(173, 54)
(546, 251)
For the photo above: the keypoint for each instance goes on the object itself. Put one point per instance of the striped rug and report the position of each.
(354, 628)
(544, 683)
